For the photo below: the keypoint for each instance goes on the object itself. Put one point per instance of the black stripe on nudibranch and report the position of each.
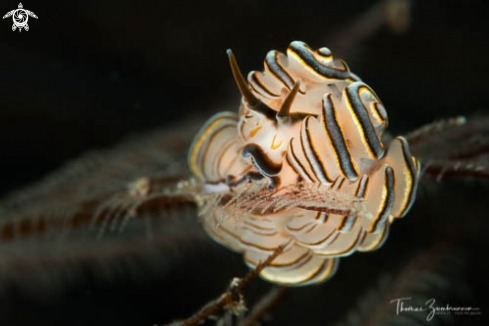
(311, 154)
(387, 201)
(322, 217)
(296, 163)
(261, 160)
(362, 187)
(380, 110)
(306, 56)
(340, 148)
(413, 175)
(277, 70)
(259, 86)
(360, 113)
(360, 192)
(337, 183)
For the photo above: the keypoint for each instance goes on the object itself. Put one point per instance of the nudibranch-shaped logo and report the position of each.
(20, 16)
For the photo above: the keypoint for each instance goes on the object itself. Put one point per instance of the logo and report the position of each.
(431, 309)
(20, 17)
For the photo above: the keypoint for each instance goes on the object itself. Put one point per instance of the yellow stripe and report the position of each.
(198, 145)
(408, 178)
(296, 163)
(315, 153)
(373, 109)
(382, 206)
(375, 113)
(272, 275)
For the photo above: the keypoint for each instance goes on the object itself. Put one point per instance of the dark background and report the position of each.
(89, 73)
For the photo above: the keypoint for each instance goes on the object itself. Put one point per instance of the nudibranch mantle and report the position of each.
(302, 166)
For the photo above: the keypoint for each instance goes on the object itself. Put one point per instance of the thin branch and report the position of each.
(231, 296)
(262, 307)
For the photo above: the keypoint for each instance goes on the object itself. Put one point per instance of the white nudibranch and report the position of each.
(301, 166)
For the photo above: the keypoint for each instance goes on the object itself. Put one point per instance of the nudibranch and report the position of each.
(302, 166)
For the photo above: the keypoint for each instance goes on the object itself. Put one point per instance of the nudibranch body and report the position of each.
(302, 166)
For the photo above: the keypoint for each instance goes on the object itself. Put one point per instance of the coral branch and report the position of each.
(433, 129)
(453, 147)
(442, 169)
(25, 226)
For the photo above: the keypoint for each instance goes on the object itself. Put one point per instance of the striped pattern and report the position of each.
(363, 117)
(317, 62)
(275, 67)
(337, 139)
(332, 140)
(214, 153)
